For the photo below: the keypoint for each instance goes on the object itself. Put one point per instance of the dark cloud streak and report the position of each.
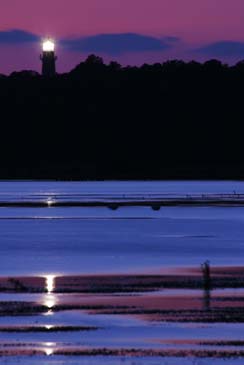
(223, 49)
(111, 44)
(17, 36)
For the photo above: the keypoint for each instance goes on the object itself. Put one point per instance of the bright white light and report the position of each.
(49, 344)
(49, 348)
(50, 302)
(50, 284)
(48, 46)
(49, 326)
(50, 202)
(48, 352)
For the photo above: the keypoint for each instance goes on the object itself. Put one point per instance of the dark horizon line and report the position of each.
(121, 67)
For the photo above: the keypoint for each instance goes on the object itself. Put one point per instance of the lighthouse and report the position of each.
(48, 58)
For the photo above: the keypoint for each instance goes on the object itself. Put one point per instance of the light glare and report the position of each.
(50, 283)
(49, 327)
(50, 202)
(50, 302)
(48, 46)
(49, 350)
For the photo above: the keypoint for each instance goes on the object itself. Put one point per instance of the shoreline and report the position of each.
(41, 316)
(185, 277)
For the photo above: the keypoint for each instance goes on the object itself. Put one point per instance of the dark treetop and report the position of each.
(171, 120)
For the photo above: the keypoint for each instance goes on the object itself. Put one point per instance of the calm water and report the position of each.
(61, 241)
(82, 240)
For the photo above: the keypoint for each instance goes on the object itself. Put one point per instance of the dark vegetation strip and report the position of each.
(220, 354)
(123, 284)
(226, 315)
(154, 353)
(31, 308)
(116, 205)
(45, 329)
(211, 315)
(220, 343)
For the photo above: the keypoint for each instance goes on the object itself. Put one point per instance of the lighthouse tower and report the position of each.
(48, 58)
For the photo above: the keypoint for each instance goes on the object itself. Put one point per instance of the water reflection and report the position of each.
(50, 283)
(50, 299)
(49, 348)
(206, 271)
(48, 352)
(49, 326)
(207, 300)
(50, 202)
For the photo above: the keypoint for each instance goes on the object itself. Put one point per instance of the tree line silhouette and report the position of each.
(172, 120)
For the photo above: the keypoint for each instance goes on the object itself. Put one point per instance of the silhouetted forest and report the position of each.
(171, 120)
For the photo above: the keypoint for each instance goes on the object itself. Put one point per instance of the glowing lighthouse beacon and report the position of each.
(48, 58)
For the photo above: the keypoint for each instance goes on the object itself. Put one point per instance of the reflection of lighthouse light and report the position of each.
(50, 302)
(48, 46)
(49, 350)
(49, 327)
(50, 202)
(50, 283)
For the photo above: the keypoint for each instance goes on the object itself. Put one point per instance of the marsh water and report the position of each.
(75, 242)
(95, 240)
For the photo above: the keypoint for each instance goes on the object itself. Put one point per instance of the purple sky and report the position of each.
(188, 29)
